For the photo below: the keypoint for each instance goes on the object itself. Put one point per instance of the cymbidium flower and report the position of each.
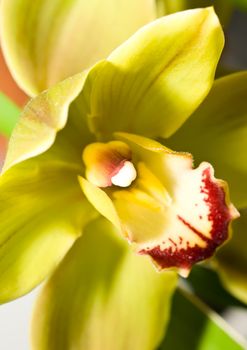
(87, 148)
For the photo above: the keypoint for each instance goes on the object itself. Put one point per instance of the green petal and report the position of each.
(103, 297)
(42, 213)
(150, 85)
(232, 260)
(217, 132)
(216, 296)
(42, 207)
(100, 201)
(41, 120)
(194, 326)
(60, 38)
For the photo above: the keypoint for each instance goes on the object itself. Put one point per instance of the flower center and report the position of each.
(109, 164)
(125, 176)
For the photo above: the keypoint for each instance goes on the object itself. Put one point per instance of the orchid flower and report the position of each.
(87, 184)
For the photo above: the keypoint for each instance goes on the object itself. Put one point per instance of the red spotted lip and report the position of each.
(220, 217)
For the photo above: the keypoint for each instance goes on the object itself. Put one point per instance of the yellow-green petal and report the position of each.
(42, 212)
(231, 260)
(100, 200)
(43, 209)
(46, 41)
(217, 132)
(41, 120)
(157, 78)
(103, 297)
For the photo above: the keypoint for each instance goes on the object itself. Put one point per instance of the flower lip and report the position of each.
(219, 216)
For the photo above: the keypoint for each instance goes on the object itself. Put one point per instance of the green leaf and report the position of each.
(102, 297)
(195, 327)
(215, 296)
(62, 37)
(232, 260)
(9, 114)
(240, 3)
(217, 133)
(150, 85)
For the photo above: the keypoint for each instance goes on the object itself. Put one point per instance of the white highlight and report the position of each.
(125, 176)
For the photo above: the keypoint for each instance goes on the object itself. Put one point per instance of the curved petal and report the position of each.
(231, 260)
(42, 212)
(41, 120)
(100, 201)
(217, 132)
(103, 297)
(42, 207)
(150, 85)
(60, 38)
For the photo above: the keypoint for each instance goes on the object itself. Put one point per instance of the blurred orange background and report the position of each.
(8, 85)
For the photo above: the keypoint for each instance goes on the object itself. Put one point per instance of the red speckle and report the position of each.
(219, 216)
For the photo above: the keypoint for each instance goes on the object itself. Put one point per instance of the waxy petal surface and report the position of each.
(157, 78)
(43, 210)
(60, 38)
(42, 213)
(41, 120)
(103, 297)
